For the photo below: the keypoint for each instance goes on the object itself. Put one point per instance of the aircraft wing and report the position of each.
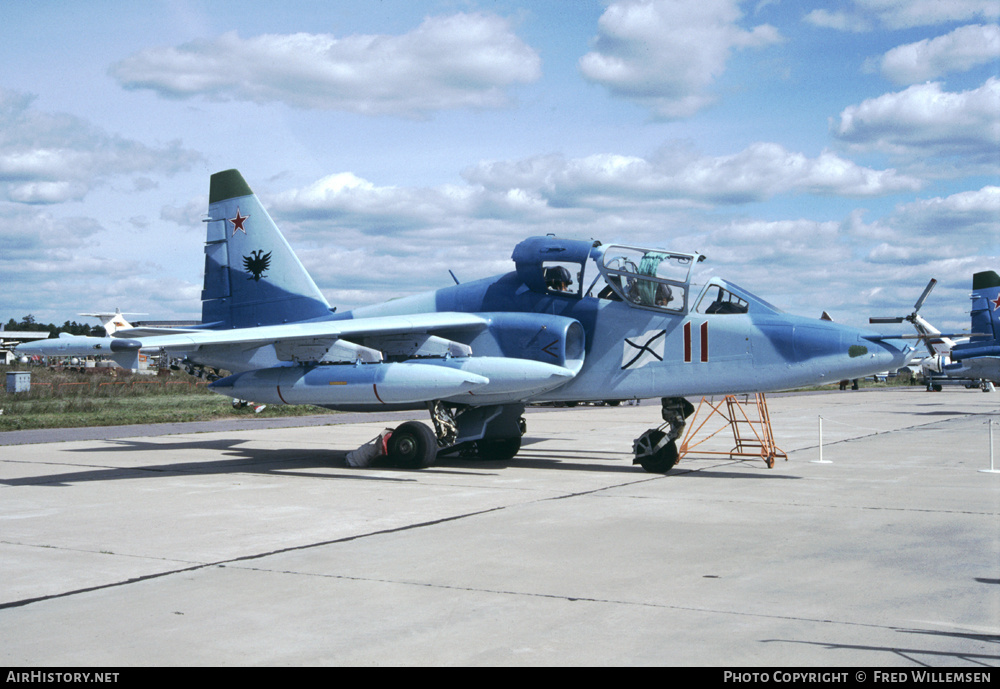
(332, 340)
(147, 331)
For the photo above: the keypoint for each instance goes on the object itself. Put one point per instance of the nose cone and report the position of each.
(842, 352)
(890, 354)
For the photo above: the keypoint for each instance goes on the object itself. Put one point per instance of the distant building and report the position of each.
(9, 338)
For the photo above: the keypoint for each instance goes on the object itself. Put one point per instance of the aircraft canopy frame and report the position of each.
(649, 278)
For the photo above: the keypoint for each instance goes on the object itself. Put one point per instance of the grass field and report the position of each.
(70, 399)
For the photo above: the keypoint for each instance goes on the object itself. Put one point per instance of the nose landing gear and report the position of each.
(656, 449)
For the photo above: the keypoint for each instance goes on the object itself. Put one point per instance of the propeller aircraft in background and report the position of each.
(973, 356)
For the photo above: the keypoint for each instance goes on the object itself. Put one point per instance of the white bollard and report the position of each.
(991, 470)
(821, 460)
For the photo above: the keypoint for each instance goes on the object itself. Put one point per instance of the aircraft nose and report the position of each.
(886, 354)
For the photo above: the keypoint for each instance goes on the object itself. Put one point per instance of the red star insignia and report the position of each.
(238, 222)
(996, 303)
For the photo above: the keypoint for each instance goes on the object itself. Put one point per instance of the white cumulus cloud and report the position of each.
(864, 15)
(459, 61)
(962, 49)
(665, 55)
(924, 120)
(901, 14)
(760, 171)
(48, 158)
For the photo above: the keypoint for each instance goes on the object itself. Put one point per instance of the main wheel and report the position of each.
(412, 445)
(498, 449)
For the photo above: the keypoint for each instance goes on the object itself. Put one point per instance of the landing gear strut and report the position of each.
(445, 423)
(490, 433)
(656, 449)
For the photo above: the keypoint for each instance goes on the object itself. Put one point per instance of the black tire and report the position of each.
(662, 460)
(412, 445)
(498, 449)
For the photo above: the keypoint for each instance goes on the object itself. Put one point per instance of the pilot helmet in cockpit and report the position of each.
(557, 278)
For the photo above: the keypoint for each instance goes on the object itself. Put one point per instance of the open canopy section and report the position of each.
(648, 278)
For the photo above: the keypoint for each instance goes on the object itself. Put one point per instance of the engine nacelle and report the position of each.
(541, 337)
(934, 364)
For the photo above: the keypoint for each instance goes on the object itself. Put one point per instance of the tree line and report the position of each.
(29, 324)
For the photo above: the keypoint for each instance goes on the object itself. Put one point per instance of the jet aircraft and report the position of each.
(574, 321)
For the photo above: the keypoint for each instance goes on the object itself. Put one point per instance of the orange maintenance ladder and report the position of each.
(750, 424)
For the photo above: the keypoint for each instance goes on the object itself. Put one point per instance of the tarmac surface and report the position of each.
(232, 547)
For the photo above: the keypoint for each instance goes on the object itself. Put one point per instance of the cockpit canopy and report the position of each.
(648, 278)
(643, 278)
(553, 265)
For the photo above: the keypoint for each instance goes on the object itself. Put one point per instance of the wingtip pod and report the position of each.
(228, 184)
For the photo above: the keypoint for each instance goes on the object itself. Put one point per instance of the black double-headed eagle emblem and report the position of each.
(256, 263)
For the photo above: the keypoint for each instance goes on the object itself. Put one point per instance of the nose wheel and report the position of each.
(655, 452)
(656, 449)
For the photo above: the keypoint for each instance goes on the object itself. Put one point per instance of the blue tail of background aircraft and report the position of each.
(986, 304)
(980, 357)
(252, 277)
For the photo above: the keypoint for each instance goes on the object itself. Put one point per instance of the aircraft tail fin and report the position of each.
(112, 322)
(252, 276)
(986, 303)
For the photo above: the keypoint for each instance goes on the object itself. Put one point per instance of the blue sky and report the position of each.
(825, 155)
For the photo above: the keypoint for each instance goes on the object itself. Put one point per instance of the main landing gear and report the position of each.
(487, 433)
(656, 449)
